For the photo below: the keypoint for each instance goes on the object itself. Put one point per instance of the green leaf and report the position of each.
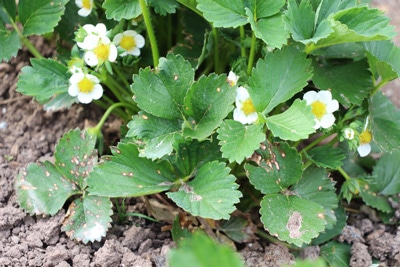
(8, 10)
(239, 229)
(315, 186)
(211, 194)
(223, 13)
(386, 174)
(327, 8)
(164, 7)
(239, 141)
(350, 83)
(268, 8)
(60, 101)
(122, 9)
(372, 198)
(10, 44)
(42, 189)
(327, 156)
(43, 80)
(385, 121)
(291, 218)
(125, 174)
(167, 88)
(201, 251)
(88, 218)
(278, 78)
(294, 124)
(336, 254)
(336, 230)
(279, 167)
(159, 134)
(208, 102)
(40, 16)
(300, 19)
(385, 51)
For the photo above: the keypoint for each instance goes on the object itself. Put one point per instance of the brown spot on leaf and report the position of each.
(294, 225)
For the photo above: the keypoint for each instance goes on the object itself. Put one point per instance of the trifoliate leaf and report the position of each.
(125, 174)
(88, 218)
(208, 102)
(163, 7)
(336, 254)
(386, 174)
(291, 218)
(223, 13)
(44, 79)
(327, 156)
(200, 251)
(122, 9)
(167, 88)
(293, 124)
(10, 44)
(40, 16)
(239, 141)
(278, 77)
(279, 167)
(349, 82)
(211, 194)
(42, 189)
(385, 121)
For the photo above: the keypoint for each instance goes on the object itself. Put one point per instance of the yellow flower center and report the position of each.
(318, 109)
(127, 42)
(86, 4)
(102, 51)
(248, 107)
(365, 137)
(85, 85)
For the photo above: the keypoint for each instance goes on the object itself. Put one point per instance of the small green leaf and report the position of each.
(239, 229)
(239, 141)
(163, 7)
(385, 121)
(336, 230)
(371, 197)
(125, 174)
(223, 13)
(8, 10)
(211, 194)
(10, 44)
(122, 9)
(40, 16)
(293, 124)
(336, 254)
(326, 8)
(60, 101)
(287, 72)
(44, 79)
(200, 250)
(279, 167)
(300, 19)
(208, 102)
(327, 156)
(88, 219)
(385, 51)
(291, 218)
(386, 174)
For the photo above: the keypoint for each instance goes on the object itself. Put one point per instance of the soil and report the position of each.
(29, 134)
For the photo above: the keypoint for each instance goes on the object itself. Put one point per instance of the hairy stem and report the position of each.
(150, 32)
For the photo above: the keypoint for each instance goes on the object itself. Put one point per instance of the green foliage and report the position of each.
(122, 9)
(327, 156)
(336, 254)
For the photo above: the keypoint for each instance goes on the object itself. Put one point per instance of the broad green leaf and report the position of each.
(381, 70)
(43, 80)
(386, 52)
(162, 94)
(40, 16)
(267, 8)
(42, 189)
(122, 9)
(239, 229)
(200, 251)
(8, 10)
(300, 19)
(76, 155)
(224, 13)
(326, 8)
(211, 194)
(163, 7)
(125, 174)
(278, 78)
(336, 230)
(385, 121)
(10, 44)
(386, 174)
(208, 102)
(291, 218)
(294, 124)
(315, 186)
(349, 82)
(60, 101)
(279, 167)
(372, 198)
(159, 134)
(239, 141)
(336, 254)
(327, 156)
(88, 218)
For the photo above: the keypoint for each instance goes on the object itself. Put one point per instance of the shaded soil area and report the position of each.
(29, 134)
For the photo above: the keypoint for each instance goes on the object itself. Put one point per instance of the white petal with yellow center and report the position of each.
(130, 41)
(232, 78)
(85, 87)
(322, 106)
(245, 111)
(85, 6)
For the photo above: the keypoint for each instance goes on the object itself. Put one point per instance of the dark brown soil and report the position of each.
(29, 134)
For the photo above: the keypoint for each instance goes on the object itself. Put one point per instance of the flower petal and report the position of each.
(332, 106)
(97, 91)
(139, 39)
(327, 120)
(242, 93)
(364, 150)
(73, 90)
(76, 77)
(83, 12)
(325, 96)
(91, 58)
(113, 53)
(85, 98)
(310, 97)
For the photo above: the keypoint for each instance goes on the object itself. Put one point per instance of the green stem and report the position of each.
(314, 143)
(26, 41)
(242, 37)
(121, 76)
(150, 32)
(103, 119)
(344, 174)
(252, 54)
(378, 86)
(216, 50)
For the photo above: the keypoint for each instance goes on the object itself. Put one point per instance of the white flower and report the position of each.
(130, 41)
(365, 143)
(322, 106)
(85, 86)
(232, 78)
(349, 133)
(85, 6)
(103, 51)
(93, 35)
(245, 111)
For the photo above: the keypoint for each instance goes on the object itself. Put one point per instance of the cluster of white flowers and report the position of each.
(363, 142)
